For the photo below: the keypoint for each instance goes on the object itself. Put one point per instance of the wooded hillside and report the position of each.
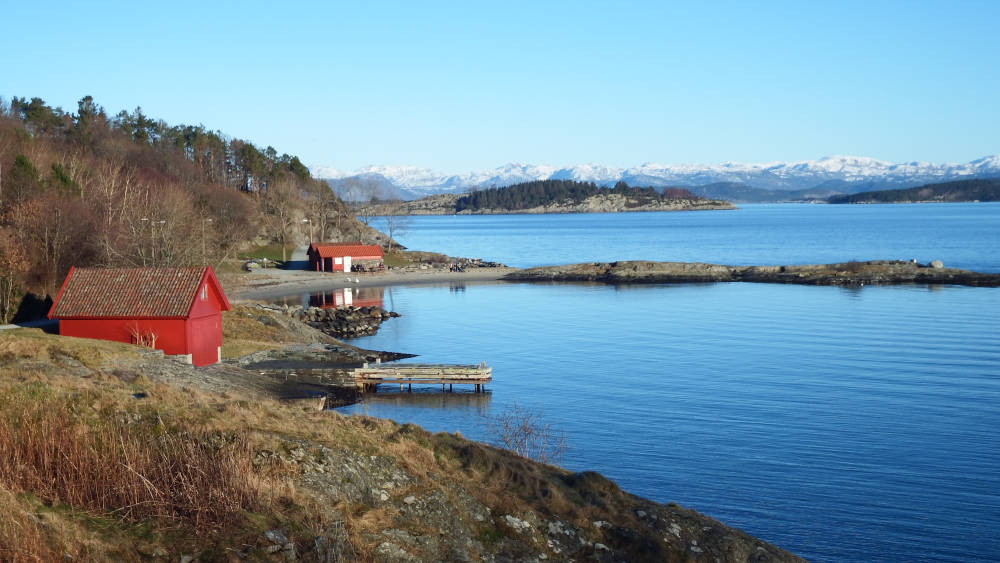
(544, 192)
(962, 190)
(88, 189)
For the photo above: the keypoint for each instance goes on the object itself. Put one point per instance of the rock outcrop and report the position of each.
(875, 272)
(341, 322)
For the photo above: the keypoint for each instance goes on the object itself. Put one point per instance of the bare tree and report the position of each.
(13, 264)
(394, 226)
(281, 203)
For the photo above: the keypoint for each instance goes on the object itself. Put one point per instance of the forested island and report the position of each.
(554, 196)
(962, 190)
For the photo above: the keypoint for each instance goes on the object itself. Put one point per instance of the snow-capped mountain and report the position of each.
(844, 173)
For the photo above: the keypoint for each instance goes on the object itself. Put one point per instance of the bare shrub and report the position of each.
(525, 432)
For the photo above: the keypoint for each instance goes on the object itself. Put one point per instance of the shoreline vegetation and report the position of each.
(298, 483)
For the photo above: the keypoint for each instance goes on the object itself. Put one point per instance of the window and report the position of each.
(204, 292)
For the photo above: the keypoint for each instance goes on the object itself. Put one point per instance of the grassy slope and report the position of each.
(347, 485)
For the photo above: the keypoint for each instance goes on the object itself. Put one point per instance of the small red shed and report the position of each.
(338, 256)
(177, 310)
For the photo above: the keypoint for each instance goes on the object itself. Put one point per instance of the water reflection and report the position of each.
(354, 296)
(389, 399)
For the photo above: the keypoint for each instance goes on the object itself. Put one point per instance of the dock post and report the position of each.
(409, 387)
(451, 387)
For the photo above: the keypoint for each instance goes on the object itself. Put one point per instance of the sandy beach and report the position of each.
(268, 284)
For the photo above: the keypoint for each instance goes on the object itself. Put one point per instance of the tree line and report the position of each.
(88, 189)
(545, 192)
(977, 189)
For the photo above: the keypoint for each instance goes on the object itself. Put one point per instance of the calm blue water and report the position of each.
(963, 235)
(841, 424)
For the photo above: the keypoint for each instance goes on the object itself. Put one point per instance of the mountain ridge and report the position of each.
(849, 174)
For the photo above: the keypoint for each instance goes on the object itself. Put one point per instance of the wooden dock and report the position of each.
(368, 377)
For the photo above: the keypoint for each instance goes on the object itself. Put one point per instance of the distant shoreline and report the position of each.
(270, 284)
(279, 283)
(854, 273)
(445, 204)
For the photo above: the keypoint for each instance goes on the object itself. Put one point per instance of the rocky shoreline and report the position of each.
(875, 272)
(364, 488)
(341, 322)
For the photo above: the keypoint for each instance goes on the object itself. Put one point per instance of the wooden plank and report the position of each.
(370, 376)
(424, 381)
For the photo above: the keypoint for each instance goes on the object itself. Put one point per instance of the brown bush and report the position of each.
(126, 468)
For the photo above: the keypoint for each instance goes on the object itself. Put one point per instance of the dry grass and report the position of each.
(112, 466)
(243, 333)
(21, 538)
(398, 259)
(32, 343)
(179, 464)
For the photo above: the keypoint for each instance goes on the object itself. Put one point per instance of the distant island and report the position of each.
(853, 273)
(961, 190)
(554, 196)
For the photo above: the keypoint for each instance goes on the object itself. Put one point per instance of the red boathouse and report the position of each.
(339, 256)
(177, 310)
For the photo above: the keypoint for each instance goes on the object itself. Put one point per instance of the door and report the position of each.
(206, 337)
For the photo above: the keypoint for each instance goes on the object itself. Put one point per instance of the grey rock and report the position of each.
(276, 536)
(333, 545)
(388, 551)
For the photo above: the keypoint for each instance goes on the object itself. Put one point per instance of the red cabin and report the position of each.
(339, 256)
(177, 310)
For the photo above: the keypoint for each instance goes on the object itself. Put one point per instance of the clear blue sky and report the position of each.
(460, 86)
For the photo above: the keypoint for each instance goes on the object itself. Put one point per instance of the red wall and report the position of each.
(200, 334)
(204, 327)
(170, 333)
